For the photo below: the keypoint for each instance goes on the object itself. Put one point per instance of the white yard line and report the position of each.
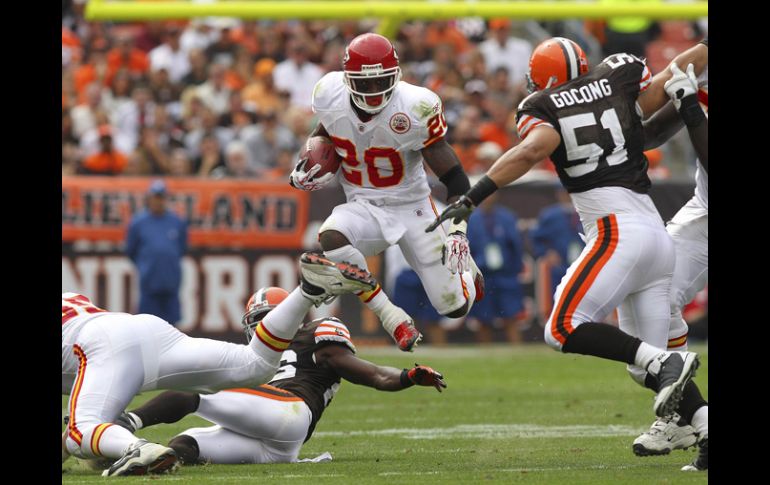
(494, 431)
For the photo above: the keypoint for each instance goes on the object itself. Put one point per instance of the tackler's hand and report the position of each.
(458, 210)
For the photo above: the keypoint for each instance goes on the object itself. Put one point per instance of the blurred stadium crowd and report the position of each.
(222, 97)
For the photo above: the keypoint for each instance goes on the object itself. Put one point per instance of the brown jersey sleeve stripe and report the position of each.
(584, 276)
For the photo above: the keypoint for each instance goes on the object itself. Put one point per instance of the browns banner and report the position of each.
(247, 235)
(220, 213)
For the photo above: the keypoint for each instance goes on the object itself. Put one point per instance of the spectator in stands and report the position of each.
(472, 65)
(240, 73)
(223, 50)
(199, 72)
(476, 97)
(498, 91)
(210, 157)
(214, 93)
(487, 154)
(236, 163)
(237, 113)
(156, 241)
(93, 71)
(84, 114)
(262, 93)
(70, 156)
(297, 75)
(497, 248)
(246, 36)
(207, 126)
(153, 155)
(465, 142)
(445, 32)
(170, 56)
(266, 140)
(500, 49)
(500, 129)
(125, 56)
(118, 94)
(179, 163)
(132, 117)
(107, 161)
(198, 36)
(271, 40)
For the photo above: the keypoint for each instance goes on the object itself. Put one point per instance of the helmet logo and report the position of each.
(370, 69)
(400, 123)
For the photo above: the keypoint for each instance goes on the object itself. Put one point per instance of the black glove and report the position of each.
(458, 210)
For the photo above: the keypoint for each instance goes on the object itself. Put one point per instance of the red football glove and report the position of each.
(425, 376)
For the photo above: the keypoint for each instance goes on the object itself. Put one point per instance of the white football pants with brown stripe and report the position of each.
(627, 264)
(263, 425)
(116, 355)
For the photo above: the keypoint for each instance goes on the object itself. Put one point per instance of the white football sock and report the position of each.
(700, 421)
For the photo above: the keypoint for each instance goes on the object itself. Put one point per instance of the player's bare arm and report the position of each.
(655, 97)
(661, 126)
(358, 371)
(517, 161)
(442, 159)
(539, 144)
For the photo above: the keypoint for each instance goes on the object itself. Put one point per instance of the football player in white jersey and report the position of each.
(689, 230)
(384, 128)
(269, 423)
(107, 357)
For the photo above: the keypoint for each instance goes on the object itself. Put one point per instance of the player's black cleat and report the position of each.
(701, 462)
(673, 370)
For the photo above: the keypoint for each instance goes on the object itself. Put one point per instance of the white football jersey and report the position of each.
(381, 157)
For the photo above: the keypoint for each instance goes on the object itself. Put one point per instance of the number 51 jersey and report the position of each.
(596, 115)
(381, 157)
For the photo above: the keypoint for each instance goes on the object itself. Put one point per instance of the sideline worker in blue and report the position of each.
(156, 242)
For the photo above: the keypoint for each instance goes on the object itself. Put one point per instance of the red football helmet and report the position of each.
(371, 71)
(259, 305)
(555, 61)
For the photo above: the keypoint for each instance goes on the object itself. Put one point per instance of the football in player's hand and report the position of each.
(319, 150)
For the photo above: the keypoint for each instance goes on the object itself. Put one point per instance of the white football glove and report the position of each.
(307, 180)
(681, 84)
(456, 253)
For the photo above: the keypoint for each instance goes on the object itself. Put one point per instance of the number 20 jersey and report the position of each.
(602, 139)
(381, 157)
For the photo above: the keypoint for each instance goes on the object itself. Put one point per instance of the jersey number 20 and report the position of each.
(354, 175)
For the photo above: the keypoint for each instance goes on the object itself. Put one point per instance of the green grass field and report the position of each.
(510, 415)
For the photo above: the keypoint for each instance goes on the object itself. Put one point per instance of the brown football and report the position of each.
(319, 150)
